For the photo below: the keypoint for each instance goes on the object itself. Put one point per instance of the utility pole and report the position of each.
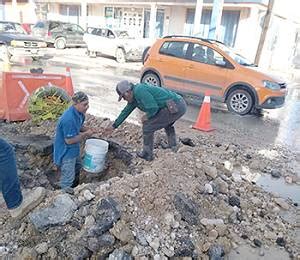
(264, 31)
(197, 18)
(215, 22)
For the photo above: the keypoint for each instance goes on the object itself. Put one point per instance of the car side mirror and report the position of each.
(221, 63)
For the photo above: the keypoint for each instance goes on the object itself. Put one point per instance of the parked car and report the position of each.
(14, 41)
(191, 65)
(59, 34)
(116, 43)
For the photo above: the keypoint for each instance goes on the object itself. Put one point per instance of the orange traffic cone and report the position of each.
(69, 84)
(203, 120)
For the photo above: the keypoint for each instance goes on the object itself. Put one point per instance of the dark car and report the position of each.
(59, 34)
(14, 41)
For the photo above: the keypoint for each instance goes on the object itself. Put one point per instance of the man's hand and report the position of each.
(88, 133)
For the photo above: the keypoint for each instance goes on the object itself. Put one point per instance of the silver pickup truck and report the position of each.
(14, 41)
(115, 43)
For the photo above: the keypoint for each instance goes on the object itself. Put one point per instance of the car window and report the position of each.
(204, 54)
(237, 57)
(110, 34)
(40, 25)
(122, 34)
(77, 28)
(176, 49)
(11, 28)
(53, 25)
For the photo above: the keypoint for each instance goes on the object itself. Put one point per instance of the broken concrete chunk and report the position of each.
(59, 213)
(187, 208)
(119, 254)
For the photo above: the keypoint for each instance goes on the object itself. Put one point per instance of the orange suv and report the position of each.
(193, 66)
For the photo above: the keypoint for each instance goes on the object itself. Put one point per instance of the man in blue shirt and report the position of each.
(69, 133)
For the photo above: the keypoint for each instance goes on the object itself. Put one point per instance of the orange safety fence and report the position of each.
(16, 88)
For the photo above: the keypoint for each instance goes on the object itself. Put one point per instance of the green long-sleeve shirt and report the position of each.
(147, 98)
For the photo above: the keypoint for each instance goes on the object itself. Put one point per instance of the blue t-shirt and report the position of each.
(69, 125)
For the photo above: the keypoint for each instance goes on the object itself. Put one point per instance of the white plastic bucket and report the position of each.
(95, 155)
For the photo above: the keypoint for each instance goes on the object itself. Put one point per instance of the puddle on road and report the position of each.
(266, 182)
(279, 186)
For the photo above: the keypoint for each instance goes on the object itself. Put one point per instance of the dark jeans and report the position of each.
(9, 181)
(164, 119)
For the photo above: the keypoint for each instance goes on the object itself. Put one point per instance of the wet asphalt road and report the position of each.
(98, 77)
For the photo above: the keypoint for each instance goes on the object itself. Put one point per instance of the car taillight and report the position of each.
(146, 57)
(49, 33)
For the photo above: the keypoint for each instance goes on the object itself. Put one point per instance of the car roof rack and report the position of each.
(194, 37)
(186, 36)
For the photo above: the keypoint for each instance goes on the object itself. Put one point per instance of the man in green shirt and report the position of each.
(162, 108)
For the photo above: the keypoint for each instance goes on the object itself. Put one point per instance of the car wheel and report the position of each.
(91, 54)
(152, 79)
(120, 55)
(240, 102)
(60, 43)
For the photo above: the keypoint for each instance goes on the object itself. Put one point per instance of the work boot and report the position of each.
(30, 201)
(171, 135)
(147, 152)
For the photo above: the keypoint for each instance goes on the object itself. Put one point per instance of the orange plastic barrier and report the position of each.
(16, 88)
(203, 120)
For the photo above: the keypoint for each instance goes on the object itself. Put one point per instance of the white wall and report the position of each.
(96, 15)
(248, 32)
(177, 20)
(25, 13)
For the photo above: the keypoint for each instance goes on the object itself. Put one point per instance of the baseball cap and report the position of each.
(79, 97)
(122, 87)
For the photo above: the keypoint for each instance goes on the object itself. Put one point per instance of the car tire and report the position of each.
(92, 54)
(152, 79)
(240, 101)
(60, 43)
(120, 55)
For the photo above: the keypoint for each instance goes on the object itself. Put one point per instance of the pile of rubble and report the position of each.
(200, 202)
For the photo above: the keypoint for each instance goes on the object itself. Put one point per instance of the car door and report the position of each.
(111, 43)
(79, 32)
(206, 71)
(170, 63)
(70, 33)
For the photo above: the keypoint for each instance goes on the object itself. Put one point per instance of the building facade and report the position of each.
(241, 22)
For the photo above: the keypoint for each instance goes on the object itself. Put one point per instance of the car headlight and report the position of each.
(271, 85)
(16, 43)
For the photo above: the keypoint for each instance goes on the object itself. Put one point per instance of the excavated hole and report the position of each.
(118, 163)
(35, 166)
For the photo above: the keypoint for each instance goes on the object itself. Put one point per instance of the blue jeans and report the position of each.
(70, 169)
(9, 180)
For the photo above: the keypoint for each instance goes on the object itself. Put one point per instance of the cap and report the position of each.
(79, 97)
(122, 87)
